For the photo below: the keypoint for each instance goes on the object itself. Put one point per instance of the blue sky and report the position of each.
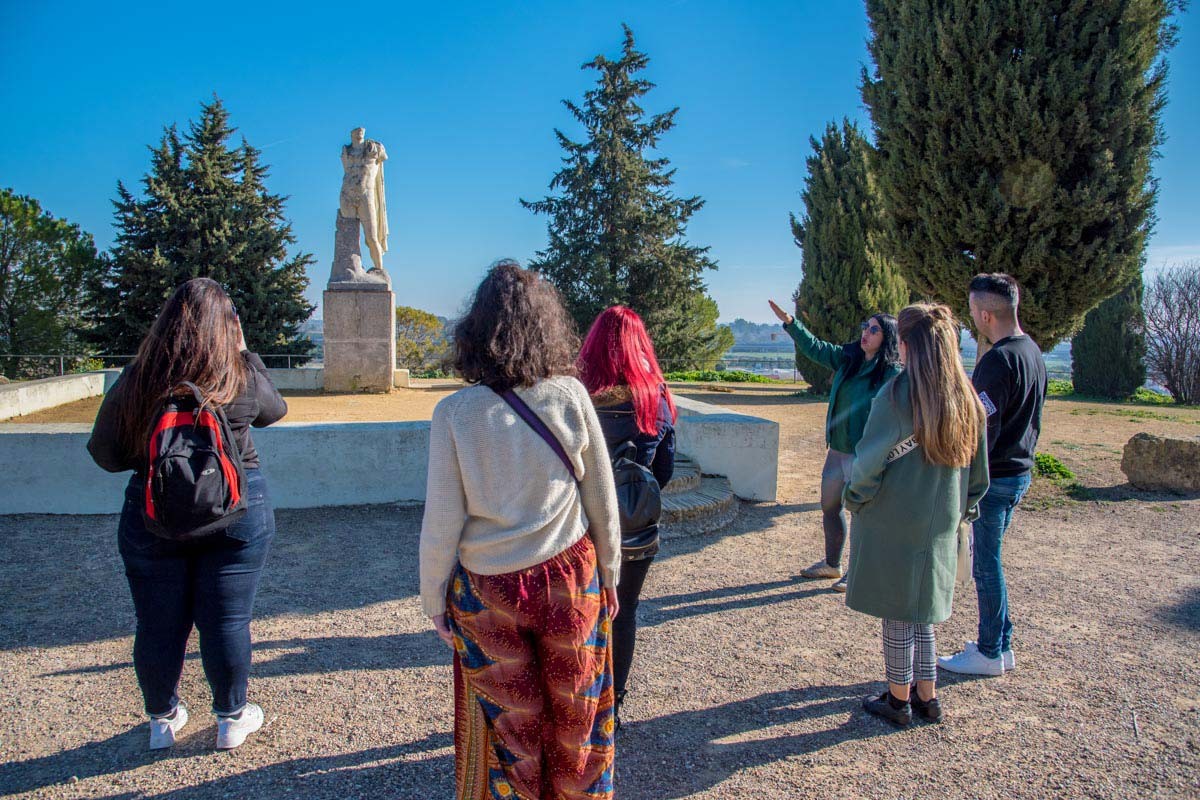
(465, 97)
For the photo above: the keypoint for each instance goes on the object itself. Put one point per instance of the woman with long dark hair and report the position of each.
(860, 368)
(209, 582)
(618, 366)
(919, 472)
(521, 551)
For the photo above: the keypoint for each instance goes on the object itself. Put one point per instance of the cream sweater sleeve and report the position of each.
(599, 494)
(445, 512)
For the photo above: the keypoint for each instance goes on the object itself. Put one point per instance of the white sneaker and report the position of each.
(1010, 661)
(840, 586)
(232, 731)
(820, 570)
(163, 729)
(972, 662)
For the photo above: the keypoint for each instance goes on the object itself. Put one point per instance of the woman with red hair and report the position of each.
(637, 415)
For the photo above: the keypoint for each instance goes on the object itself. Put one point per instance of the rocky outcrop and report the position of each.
(1157, 463)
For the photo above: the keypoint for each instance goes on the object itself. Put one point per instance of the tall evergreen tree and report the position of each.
(616, 230)
(844, 282)
(205, 213)
(1016, 136)
(44, 262)
(1108, 354)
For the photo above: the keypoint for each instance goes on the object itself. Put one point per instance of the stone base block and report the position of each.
(360, 341)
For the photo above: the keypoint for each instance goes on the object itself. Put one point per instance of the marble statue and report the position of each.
(361, 205)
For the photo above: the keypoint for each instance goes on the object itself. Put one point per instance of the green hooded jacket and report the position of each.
(849, 395)
(906, 513)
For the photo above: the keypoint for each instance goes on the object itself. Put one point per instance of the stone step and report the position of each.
(685, 478)
(710, 506)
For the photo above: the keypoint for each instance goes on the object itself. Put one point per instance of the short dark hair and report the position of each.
(516, 331)
(999, 284)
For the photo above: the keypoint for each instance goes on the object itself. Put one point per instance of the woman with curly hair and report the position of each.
(521, 551)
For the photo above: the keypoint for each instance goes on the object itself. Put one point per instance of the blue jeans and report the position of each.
(210, 583)
(995, 515)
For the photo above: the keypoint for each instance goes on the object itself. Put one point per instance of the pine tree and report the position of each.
(1108, 354)
(616, 230)
(205, 212)
(844, 282)
(1016, 136)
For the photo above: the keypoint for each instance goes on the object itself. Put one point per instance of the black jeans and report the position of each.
(633, 575)
(209, 582)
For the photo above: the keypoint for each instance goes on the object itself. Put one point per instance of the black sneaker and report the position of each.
(928, 710)
(882, 707)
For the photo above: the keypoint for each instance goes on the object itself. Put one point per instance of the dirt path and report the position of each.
(747, 681)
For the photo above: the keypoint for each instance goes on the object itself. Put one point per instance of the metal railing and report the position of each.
(50, 364)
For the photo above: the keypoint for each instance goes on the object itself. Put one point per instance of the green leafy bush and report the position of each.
(1151, 397)
(1047, 466)
(88, 365)
(1058, 387)
(712, 375)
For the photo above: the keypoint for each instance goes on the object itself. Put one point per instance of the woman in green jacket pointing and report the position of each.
(920, 470)
(860, 368)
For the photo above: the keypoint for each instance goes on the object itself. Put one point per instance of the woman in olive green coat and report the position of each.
(919, 471)
(860, 369)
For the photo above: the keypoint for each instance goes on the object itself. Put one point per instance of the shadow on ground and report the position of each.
(409, 770)
(1185, 613)
(323, 559)
(321, 655)
(417, 770)
(644, 773)
(1124, 492)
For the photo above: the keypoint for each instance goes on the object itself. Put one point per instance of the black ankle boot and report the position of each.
(929, 710)
(619, 698)
(890, 708)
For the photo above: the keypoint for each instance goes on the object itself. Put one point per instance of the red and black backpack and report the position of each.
(195, 482)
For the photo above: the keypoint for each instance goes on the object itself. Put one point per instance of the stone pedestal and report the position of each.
(360, 339)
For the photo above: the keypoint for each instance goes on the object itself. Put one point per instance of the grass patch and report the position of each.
(1133, 414)
(1047, 466)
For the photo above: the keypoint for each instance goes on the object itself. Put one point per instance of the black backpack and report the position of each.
(195, 482)
(639, 503)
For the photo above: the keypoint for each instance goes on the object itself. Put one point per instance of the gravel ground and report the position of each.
(747, 682)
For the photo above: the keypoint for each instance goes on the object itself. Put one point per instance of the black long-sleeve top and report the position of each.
(655, 451)
(259, 405)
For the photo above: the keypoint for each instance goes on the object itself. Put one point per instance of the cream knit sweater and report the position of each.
(499, 500)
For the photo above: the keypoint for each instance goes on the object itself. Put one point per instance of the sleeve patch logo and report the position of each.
(988, 405)
(902, 449)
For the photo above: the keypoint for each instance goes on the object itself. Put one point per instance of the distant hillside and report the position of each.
(745, 332)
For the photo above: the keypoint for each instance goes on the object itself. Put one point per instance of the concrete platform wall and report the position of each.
(743, 448)
(26, 397)
(345, 463)
(306, 464)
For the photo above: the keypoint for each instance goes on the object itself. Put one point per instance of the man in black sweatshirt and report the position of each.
(1011, 381)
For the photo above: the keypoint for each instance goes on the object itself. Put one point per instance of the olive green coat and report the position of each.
(906, 513)
(849, 395)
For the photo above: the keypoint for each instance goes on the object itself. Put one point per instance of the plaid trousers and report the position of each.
(900, 639)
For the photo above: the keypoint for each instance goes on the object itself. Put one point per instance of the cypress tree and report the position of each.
(1016, 136)
(844, 282)
(1108, 354)
(205, 212)
(616, 230)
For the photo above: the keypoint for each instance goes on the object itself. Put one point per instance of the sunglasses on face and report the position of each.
(871, 328)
